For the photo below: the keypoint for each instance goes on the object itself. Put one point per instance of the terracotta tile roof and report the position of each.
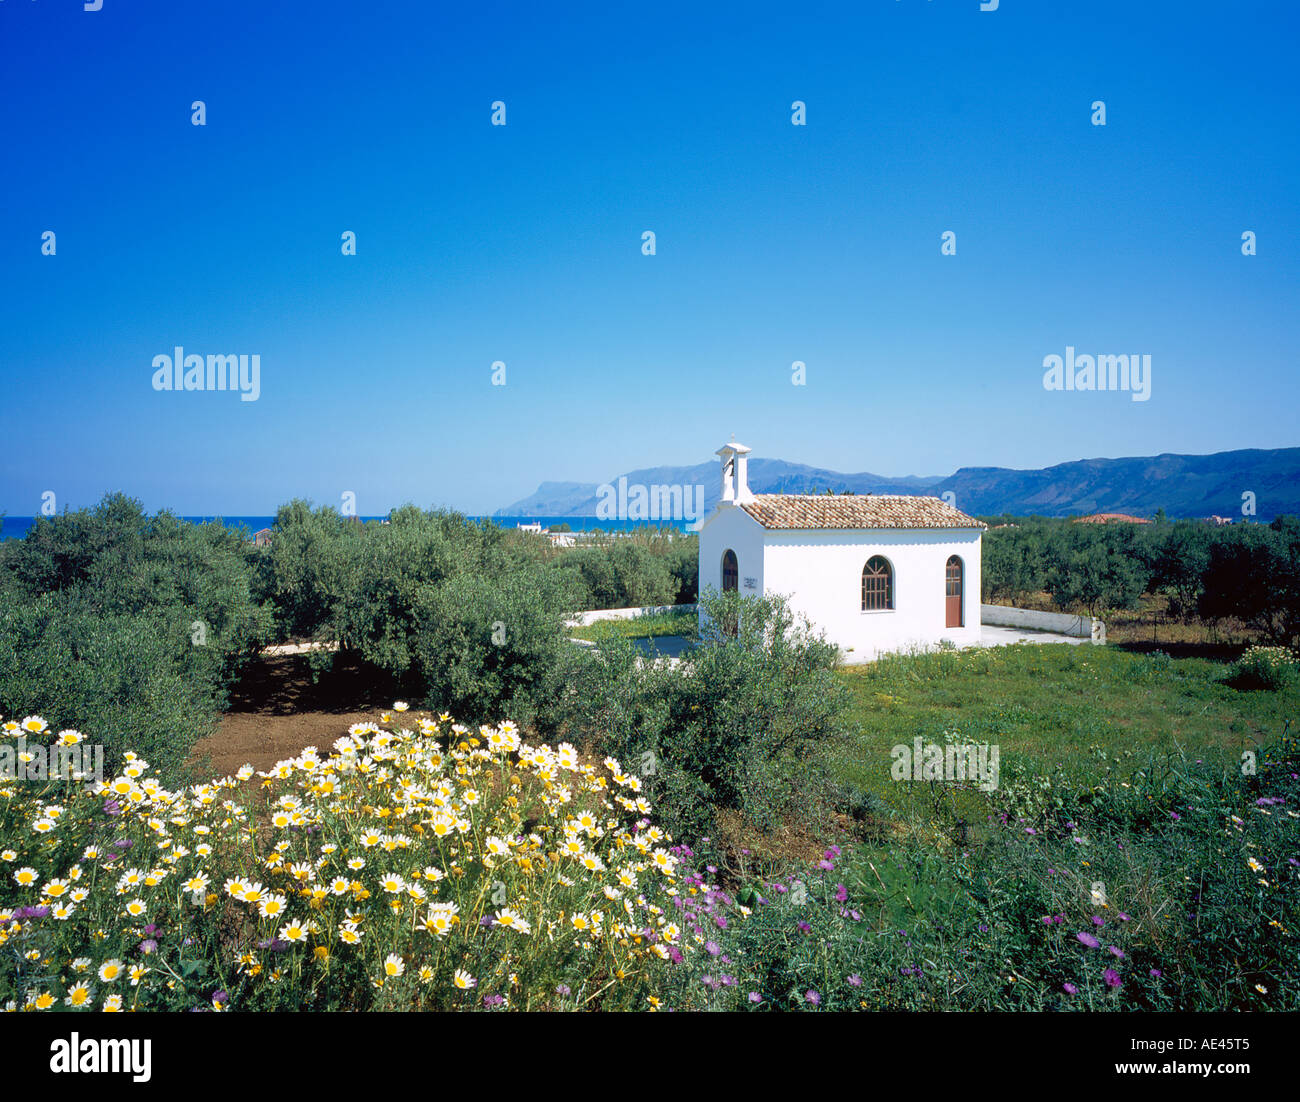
(856, 511)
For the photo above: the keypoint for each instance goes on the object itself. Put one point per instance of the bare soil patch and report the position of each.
(277, 710)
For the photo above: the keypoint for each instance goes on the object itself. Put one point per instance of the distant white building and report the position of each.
(875, 572)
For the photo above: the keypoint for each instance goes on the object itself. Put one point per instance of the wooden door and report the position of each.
(730, 572)
(953, 593)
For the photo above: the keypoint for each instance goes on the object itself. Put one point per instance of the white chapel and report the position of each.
(875, 572)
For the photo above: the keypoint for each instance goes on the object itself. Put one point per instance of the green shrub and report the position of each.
(729, 727)
(131, 627)
(1271, 668)
(622, 574)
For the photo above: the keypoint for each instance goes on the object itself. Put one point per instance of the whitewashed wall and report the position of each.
(730, 528)
(821, 572)
(1062, 623)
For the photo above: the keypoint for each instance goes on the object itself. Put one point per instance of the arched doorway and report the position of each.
(730, 572)
(952, 592)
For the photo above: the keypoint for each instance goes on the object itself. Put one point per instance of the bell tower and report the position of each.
(735, 475)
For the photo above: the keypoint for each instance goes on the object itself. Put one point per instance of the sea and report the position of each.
(16, 527)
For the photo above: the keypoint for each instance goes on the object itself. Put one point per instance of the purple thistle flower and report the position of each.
(755, 997)
(814, 998)
(855, 980)
(1069, 989)
(1088, 940)
(1112, 978)
(1117, 951)
(1156, 973)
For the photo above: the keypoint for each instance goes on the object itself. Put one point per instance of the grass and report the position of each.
(648, 626)
(1085, 710)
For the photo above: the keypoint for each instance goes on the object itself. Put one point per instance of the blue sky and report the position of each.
(522, 243)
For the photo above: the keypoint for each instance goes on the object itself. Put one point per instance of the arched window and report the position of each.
(877, 585)
(730, 572)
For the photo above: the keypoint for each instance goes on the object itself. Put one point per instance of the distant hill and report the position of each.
(766, 476)
(1182, 485)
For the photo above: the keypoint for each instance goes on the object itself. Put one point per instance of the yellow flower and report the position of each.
(78, 995)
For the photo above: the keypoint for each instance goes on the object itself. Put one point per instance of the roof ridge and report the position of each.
(856, 511)
(936, 497)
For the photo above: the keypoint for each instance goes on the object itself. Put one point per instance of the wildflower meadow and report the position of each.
(429, 867)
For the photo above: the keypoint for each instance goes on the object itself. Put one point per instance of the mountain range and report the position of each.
(1181, 485)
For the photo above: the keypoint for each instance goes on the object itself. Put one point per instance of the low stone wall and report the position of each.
(1062, 623)
(582, 619)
